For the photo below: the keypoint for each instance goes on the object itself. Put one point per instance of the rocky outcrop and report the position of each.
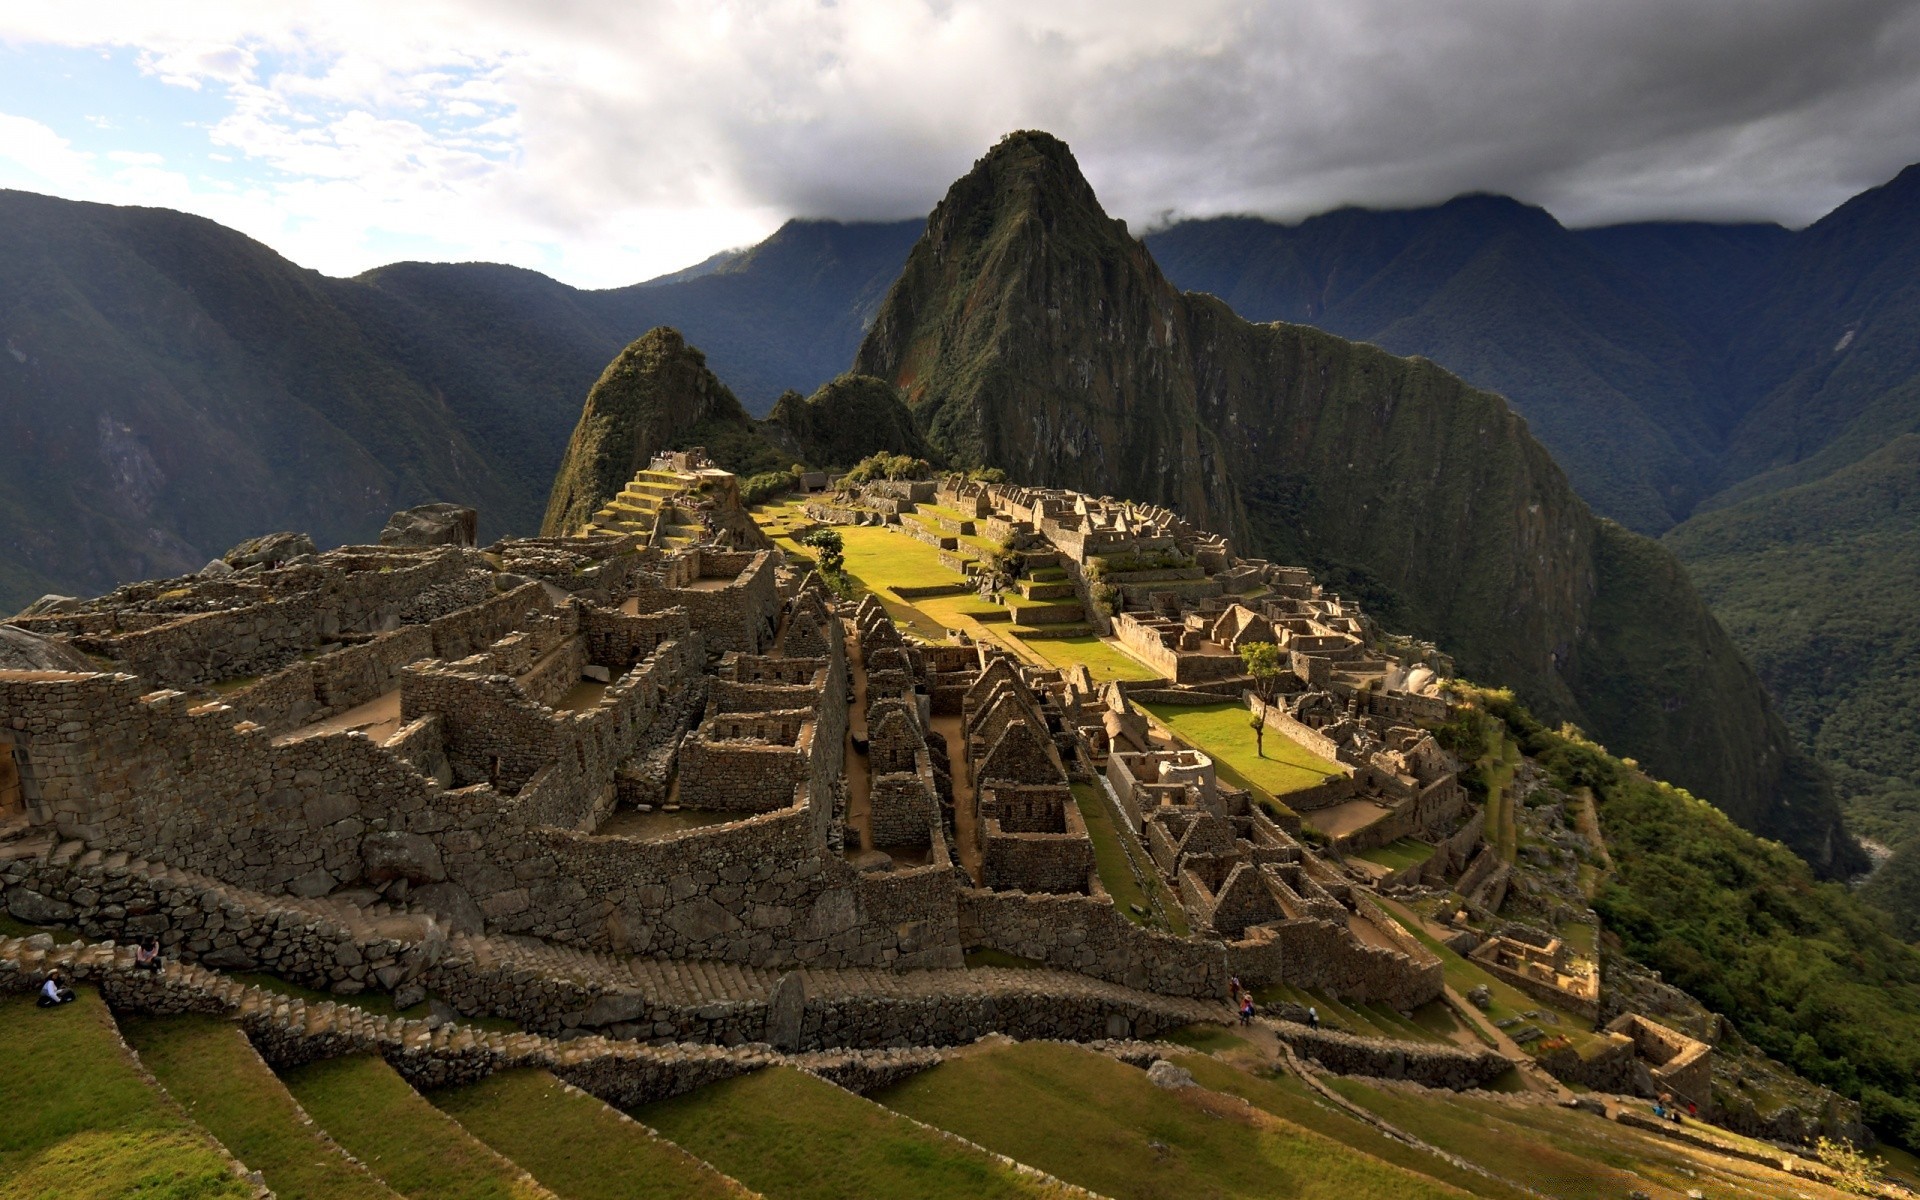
(23, 651)
(432, 525)
(844, 421)
(269, 550)
(1029, 331)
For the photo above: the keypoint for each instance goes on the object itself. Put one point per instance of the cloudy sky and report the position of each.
(606, 141)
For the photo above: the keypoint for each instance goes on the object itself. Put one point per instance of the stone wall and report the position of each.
(1438, 1066)
(1081, 933)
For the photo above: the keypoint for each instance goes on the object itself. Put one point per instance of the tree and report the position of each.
(1262, 660)
(1856, 1173)
(832, 548)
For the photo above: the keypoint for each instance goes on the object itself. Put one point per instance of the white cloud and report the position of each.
(607, 140)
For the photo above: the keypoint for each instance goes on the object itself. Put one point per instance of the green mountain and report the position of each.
(1606, 342)
(658, 394)
(169, 387)
(1029, 331)
(1817, 583)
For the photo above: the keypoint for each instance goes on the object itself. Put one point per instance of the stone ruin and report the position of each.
(404, 767)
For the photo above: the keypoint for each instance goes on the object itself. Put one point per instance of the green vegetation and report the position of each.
(793, 1137)
(1396, 855)
(1566, 1154)
(1103, 660)
(1110, 842)
(758, 489)
(573, 1144)
(1287, 1098)
(847, 419)
(1263, 662)
(80, 1120)
(1221, 730)
(1806, 971)
(889, 466)
(878, 557)
(1816, 584)
(209, 1066)
(413, 1147)
(1208, 1039)
(830, 550)
(1099, 1123)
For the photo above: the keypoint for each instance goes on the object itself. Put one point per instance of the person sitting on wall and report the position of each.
(146, 955)
(53, 992)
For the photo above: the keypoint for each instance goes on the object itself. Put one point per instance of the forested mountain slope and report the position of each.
(1030, 332)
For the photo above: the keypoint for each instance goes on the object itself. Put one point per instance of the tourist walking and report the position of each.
(1313, 1017)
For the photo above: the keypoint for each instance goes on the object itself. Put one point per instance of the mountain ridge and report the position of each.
(1030, 332)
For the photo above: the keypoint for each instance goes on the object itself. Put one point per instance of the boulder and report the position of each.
(1164, 1074)
(30, 906)
(51, 605)
(410, 856)
(215, 569)
(431, 525)
(451, 903)
(269, 550)
(23, 651)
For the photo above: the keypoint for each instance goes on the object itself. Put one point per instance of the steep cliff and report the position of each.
(658, 393)
(845, 420)
(1029, 331)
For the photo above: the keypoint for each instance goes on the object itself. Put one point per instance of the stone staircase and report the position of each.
(637, 507)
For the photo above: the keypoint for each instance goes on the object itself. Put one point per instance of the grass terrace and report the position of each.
(573, 1144)
(1291, 1100)
(1398, 855)
(1567, 1154)
(791, 1136)
(1223, 731)
(411, 1145)
(1099, 1123)
(209, 1066)
(83, 1124)
(1111, 841)
(1103, 660)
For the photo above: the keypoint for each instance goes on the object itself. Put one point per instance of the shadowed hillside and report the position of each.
(1030, 332)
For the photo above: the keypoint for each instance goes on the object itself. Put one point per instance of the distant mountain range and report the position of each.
(169, 387)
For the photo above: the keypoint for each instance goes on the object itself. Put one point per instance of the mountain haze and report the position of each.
(1030, 332)
(169, 387)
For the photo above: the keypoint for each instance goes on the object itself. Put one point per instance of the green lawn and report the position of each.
(1289, 1099)
(575, 1145)
(1099, 1123)
(791, 1136)
(1116, 872)
(415, 1148)
(1224, 731)
(209, 1066)
(1102, 660)
(1395, 855)
(81, 1122)
(879, 556)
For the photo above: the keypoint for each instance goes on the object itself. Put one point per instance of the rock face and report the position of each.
(23, 651)
(269, 550)
(844, 421)
(1029, 331)
(432, 525)
(658, 394)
